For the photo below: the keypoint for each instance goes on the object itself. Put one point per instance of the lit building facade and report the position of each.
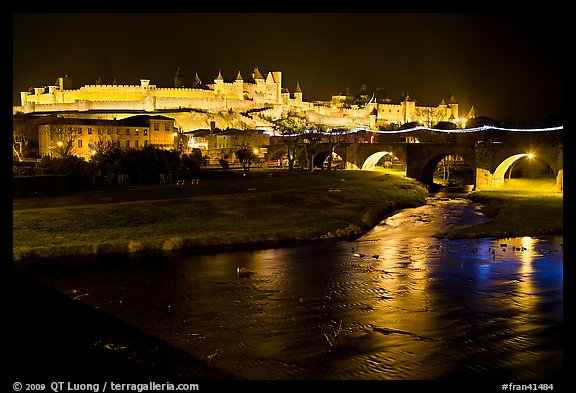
(84, 137)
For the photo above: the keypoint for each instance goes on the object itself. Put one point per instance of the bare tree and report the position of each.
(246, 158)
(291, 127)
(23, 135)
(311, 139)
(428, 116)
(65, 146)
(334, 138)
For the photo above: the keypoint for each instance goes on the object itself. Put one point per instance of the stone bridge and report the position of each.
(488, 151)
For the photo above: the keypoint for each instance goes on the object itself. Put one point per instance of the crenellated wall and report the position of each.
(237, 95)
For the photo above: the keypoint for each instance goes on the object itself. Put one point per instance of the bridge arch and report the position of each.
(370, 163)
(321, 158)
(427, 173)
(500, 172)
(502, 168)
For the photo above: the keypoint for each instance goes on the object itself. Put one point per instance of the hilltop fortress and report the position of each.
(236, 103)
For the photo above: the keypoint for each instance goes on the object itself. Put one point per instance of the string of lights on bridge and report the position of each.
(420, 128)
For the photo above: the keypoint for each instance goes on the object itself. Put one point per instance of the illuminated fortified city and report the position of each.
(235, 104)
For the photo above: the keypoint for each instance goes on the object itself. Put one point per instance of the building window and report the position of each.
(136, 132)
(127, 131)
(109, 131)
(79, 142)
(136, 143)
(156, 126)
(145, 131)
(128, 144)
(79, 130)
(145, 143)
(166, 126)
(89, 131)
(99, 131)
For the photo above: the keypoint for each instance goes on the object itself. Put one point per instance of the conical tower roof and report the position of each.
(453, 100)
(256, 74)
(472, 113)
(197, 79)
(239, 77)
(298, 89)
(219, 77)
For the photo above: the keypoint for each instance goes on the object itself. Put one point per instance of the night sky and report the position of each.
(507, 65)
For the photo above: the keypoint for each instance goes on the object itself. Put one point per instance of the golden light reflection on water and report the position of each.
(397, 304)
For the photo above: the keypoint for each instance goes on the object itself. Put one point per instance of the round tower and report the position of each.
(239, 85)
(219, 84)
(298, 93)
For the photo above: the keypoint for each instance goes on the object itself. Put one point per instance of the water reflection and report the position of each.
(397, 304)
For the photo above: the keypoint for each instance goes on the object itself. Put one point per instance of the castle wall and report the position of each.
(338, 121)
(220, 96)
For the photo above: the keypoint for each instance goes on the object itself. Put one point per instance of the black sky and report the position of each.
(508, 65)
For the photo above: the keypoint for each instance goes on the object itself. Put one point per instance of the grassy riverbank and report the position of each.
(522, 207)
(256, 210)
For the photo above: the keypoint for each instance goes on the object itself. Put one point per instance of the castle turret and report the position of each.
(257, 75)
(443, 111)
(298, 93)
(64, 82)
(260, 89)
(278, 80)
(453, 105)
(373, 117)
(285, 96)
(197, 81)
(408, 108)
(239, 85)
(219, 84)
(178, 79)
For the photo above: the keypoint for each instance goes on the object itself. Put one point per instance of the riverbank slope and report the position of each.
(258, 210)
(522, 207)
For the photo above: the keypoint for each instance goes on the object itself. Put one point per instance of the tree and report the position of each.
(427, 116)
(334, 138)
(190, 164)
(246, 157)
(78, 171)
(311, 139)
(65, 146)
(291, 127)
(24, 135)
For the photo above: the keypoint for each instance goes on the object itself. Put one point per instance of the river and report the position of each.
(398, 304)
